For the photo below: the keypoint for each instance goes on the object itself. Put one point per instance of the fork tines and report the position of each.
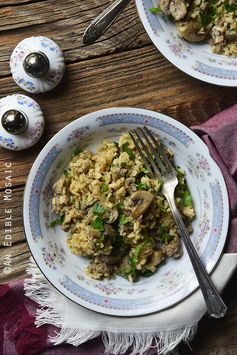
(152, 152)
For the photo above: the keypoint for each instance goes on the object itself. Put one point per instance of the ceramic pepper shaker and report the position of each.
(37, 64)
(21, 122)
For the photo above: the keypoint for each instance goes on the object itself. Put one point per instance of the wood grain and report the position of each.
(141, 78)
(217, 337)
(123, 68)
(65, 22)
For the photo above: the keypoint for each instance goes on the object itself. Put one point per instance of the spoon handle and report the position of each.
(101, 23)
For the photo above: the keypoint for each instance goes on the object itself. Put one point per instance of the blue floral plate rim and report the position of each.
(116, 297)
(196, 60)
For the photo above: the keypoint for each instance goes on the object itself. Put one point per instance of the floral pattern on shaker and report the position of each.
(35, 132)
(47, 43)
(35, 127)
(29, 85)
(51, 50)
(54, 255)
(18, 57)
(198, 166)
(55, 75)
(25, 101)
(8, 142)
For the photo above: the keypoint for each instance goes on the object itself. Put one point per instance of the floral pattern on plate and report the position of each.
(201, 64)
(174, 280)
(198, 165)
(179, 48)
(53, 255)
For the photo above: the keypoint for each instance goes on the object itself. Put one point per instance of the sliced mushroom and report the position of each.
(142, 200)
(190, 30)
(157, 257)
(178, 9)
(154, 260)
(231, 36)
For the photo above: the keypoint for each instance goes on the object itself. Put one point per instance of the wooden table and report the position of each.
(122, 69)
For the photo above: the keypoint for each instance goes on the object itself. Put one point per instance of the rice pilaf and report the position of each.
(220, 22)
(115, 214)
(196, 21)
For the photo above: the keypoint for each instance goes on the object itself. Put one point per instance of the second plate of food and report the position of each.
(201, 22)
(85, 231)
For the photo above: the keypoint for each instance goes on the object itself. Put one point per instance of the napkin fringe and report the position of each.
(164, 341)
(74, 337)
(39, 290)
(117, 343)
(51, 312)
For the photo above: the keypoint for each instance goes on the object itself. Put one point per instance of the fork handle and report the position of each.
(101, 23)
(215, 305)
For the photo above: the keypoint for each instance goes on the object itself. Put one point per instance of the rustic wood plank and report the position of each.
(14, 261)
(65, 23)
(140, 78)
(13, 17)
(217, 336)
(5, 3)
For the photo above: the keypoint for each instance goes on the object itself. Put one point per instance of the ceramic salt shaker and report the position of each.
(21, 122)
(37, 64)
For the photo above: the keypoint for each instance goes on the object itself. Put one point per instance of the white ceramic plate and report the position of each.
(173, 281)
(196, 60)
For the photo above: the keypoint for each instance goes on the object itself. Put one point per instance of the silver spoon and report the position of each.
(101, 23)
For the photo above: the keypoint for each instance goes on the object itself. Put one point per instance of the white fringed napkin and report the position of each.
(167, 328)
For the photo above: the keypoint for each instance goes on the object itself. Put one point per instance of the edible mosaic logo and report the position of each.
(7, 217)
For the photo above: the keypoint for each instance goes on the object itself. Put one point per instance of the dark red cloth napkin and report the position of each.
(18, 334)
(220, 135)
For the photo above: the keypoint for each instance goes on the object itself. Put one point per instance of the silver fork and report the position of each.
(159, 166)
(102, 22)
